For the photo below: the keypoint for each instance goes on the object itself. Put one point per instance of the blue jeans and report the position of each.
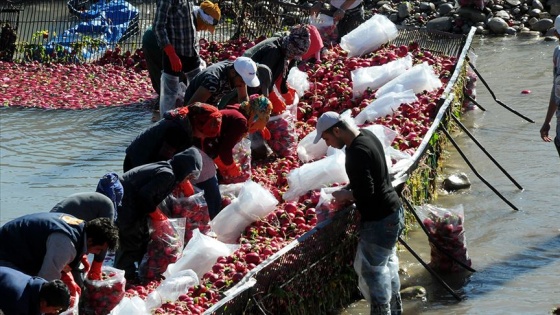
(377, 263)
(212, 195)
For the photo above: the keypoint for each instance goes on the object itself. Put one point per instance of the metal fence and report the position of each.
(31, 19)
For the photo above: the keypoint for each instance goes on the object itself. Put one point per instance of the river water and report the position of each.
(46, 155)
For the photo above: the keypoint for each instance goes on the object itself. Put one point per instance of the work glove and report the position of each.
(176, 64)
(95, 271)
(278, 104)
(231, 171)
(265, 133)
(290, 96)
(85, 263)
(68, 279)
(186, 188)
(160, 224)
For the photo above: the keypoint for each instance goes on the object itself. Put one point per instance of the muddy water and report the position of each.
(47, 155)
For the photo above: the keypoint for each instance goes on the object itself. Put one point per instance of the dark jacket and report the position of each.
(24, 239)
(146, 186)
(234, 127)
(19, 292)
(269, 52)
(160, 141)
(369, 178)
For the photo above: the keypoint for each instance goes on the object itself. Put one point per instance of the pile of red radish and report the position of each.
(120, 81)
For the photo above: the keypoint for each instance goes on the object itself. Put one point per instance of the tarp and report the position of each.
(104, 21)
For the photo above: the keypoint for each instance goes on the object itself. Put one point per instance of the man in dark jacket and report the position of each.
(44, 244)
(146, 187)
(26, 295)
(381, 211)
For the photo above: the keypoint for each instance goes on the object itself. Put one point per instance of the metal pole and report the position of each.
(430, 270)
(484, 150)
(497, 100)
(475, 102)
(475, 171)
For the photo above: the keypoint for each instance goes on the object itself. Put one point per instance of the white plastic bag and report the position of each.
(376, 76)
(385, 105)
(73, 309)
(170, 289)
(134, 305)
(314, 175)
(419, 78)
(369, 36)
(308, 151)
(364, 271)
(298, 80)
(199, 255)
(325, 207)
(253, 202)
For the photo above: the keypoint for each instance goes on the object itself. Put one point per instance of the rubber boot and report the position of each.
(168, 93)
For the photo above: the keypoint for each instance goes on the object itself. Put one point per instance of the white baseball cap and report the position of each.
(247, 69)
(327, 120)
(557, 24)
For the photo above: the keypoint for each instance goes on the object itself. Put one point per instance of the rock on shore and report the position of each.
(529, 18)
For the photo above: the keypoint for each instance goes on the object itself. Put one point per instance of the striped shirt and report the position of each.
(174, 24)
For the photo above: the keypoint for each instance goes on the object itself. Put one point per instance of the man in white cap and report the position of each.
(554, 96)
(381, 211)
(219, 79)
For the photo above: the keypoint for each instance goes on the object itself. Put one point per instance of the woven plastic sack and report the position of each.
(446, 227)
(242, 156)
(419, 78)
(164, 248)
(314, 175)
(369, 36)
(254, 202)
(376, 76)
(170, 288)
(200, 254)
(101, 296)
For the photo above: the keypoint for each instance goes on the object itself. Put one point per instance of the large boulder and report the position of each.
(542, 25)
(471, 14)
(456, 181)
(497, 25)
(444, 24)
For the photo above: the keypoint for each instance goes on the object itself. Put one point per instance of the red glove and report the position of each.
(68, 279)
(278, 104)
(290, 96)
(265, 133)
(157, 215)
(85, 262)
(95, 271)
(231, 170)
(186, 188)
(176, 64)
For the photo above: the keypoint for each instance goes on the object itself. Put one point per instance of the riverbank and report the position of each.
(531, 18)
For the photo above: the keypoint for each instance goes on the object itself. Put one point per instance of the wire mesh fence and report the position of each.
(48, 23)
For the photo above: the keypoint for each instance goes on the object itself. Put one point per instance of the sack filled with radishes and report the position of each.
(283, 135)
(194, 210)
(164, 247)
(242, 157)
(326, 207)
(101, 296)
(446, 227)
